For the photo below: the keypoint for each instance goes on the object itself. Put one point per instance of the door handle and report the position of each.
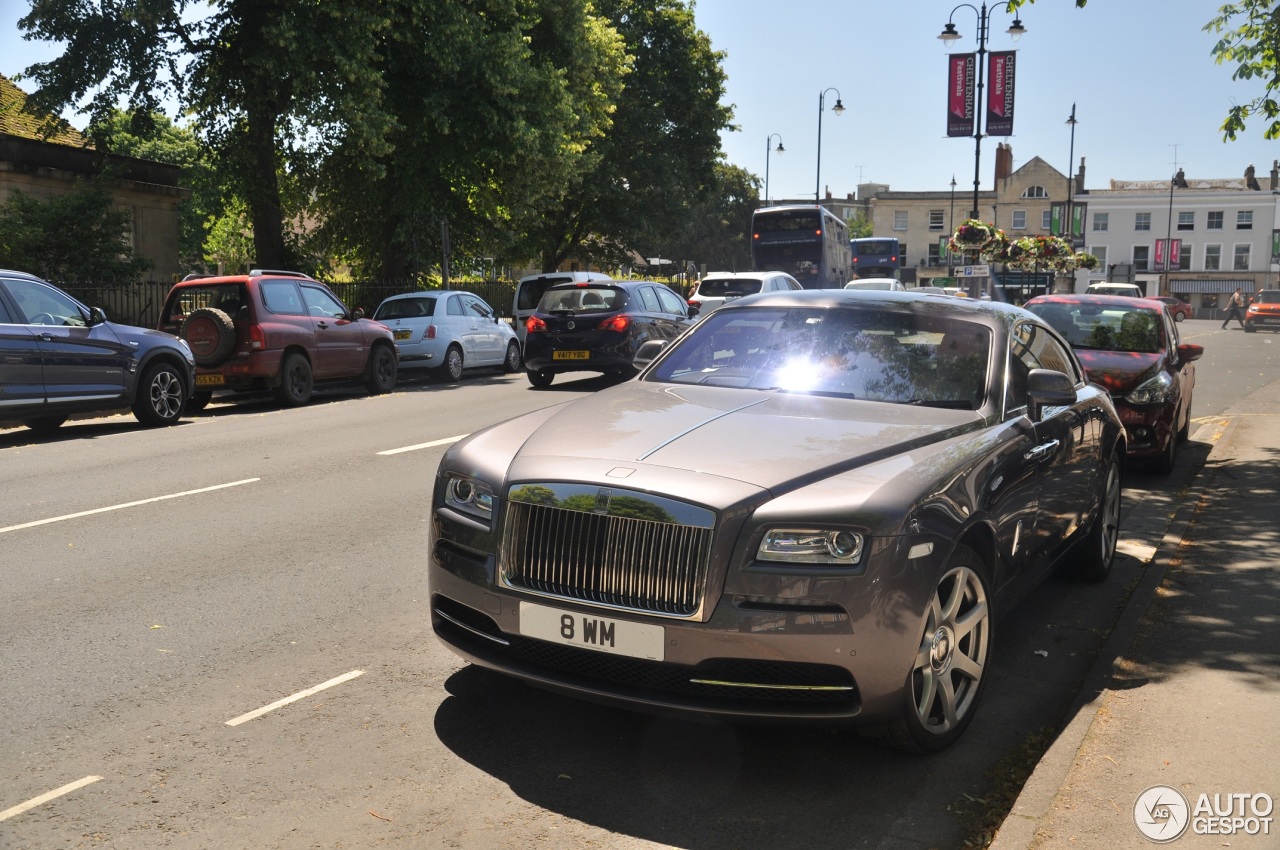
(1043, 451)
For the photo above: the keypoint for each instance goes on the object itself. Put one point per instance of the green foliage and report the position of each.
(860, 226)
(229, 246)
(662, 148)
(713, 228)
(154, 137)
(79, 236)
(1253, 45)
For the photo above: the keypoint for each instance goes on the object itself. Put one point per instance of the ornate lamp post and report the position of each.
(951, 228)
(949, 35)
(779, 149)
(837, 109)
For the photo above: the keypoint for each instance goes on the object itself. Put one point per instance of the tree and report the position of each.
(269, 83)
(661, 150)
(713, 230)
(79, 236)
(494, 115)
(229, 246)
(161, 140)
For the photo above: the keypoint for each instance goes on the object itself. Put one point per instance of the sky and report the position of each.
(1149, 98)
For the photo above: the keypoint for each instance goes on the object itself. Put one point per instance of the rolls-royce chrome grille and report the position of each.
(615, 548)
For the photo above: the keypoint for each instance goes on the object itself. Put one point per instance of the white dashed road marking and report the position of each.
(446, 441)
(345, 677)
(127, 505)
(44, 798)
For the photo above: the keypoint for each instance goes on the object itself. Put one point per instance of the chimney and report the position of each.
(1249, 180)
(1275, 174)
(1004, 161)
(1079, 188)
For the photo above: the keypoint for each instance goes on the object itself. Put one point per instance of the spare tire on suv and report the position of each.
(211, 334)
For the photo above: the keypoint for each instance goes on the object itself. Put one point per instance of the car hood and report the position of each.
(769, 440)
(1119, 371)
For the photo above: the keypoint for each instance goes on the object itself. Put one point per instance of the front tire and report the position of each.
(948, 674)
(380, 374)
(295, 381)
(1098, 549)
(513, 362)
(161, 396)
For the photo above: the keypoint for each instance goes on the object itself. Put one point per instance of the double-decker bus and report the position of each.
(807, 242)
(876, 256)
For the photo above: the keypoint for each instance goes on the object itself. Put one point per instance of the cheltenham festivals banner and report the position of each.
(962, 73)
(1000, 97)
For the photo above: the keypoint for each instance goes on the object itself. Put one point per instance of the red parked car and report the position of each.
(1179, 308)
(1131, 347)
(275, 331)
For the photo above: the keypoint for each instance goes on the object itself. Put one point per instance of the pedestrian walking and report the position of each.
(1233, 308)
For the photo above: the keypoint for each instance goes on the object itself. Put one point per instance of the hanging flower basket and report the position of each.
(973, 236)
(1087, 261)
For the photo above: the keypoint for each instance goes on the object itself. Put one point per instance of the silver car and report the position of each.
(811, 506)
(448, 331)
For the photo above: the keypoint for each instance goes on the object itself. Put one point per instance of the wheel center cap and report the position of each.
(940, 649)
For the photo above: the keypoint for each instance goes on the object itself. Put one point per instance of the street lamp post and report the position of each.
(1071, 164)
(837, 109)
(767, 151)
(949, 35)
(951, 229)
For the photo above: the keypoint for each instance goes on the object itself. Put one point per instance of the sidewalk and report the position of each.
(1192, 701)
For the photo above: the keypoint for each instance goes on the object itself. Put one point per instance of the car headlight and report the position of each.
(469, 495)
(1154, 391)
(1253, 308)
(810, 546)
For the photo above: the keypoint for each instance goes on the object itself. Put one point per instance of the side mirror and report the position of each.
(694, 307)
(96, 316)
(647, 351)
(1047, 388)
(357, 314)
(1189, 352)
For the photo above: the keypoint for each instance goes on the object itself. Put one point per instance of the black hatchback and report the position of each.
(597, 326)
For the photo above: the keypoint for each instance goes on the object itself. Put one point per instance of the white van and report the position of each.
(1129, 290)
(529, 291)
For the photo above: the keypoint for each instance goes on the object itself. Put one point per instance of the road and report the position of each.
(160, 589)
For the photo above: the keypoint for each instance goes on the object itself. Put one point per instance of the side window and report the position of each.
(5, 318)
(454, 306)
(1034, 348)
(670, 301)
(281, 298)
(649, 300)
(476, 307)
(43, 305)
(320, 303)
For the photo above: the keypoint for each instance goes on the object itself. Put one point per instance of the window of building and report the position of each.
(1186, 221)
(936, 220)
(1142, 221)
(1244, 220)
(1101, 221)
(899, 219)
(1046, 219)
(1240, 262)
(1100, 251)
(1209, 300)
(1184, 259)
(1035, 192)
(1141, 258)
(1214, 220)
(935, 256)
(1213, 258)
(1019, 220)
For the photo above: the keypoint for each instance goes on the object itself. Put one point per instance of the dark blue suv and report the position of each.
(59, 357)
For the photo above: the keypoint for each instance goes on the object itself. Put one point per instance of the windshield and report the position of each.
(405, 308)
(582, 299)
(1104, 328)
(841, 352)
(727, 287)
(1269, 296)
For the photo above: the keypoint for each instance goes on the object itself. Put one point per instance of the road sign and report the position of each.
(973, 271)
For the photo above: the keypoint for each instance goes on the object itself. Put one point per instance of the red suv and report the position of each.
(275, 330)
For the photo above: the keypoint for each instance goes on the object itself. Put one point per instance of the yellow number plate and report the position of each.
(210, 380)
(404, 334)
(571, 355)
